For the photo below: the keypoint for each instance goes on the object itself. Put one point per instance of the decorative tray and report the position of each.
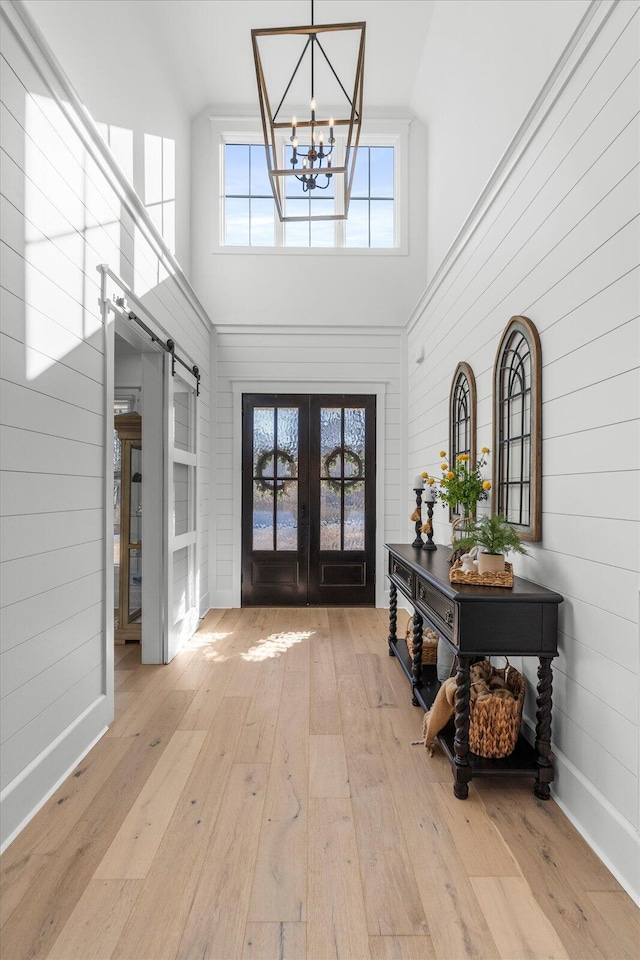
(482, 579)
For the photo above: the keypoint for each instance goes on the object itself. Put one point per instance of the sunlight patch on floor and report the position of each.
(275, 645)
(207, 639)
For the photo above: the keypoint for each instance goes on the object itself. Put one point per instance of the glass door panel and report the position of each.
(275, 478)
(183, 417)
(135, 497)
(342, 480)
(184, 514)
(128, 527)
(135, 585)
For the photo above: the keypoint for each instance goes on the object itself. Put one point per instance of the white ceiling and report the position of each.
(207, 44)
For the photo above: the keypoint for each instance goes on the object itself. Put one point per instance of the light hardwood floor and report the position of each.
(259, 798)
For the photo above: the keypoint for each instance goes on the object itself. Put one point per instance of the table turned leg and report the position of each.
(462, 769)
(543, 731)
(393, 617)
(416, 665)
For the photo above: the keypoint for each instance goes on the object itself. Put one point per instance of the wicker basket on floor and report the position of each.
(494, 723)
(429, 644)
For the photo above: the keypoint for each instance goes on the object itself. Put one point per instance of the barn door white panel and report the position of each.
(181, 486)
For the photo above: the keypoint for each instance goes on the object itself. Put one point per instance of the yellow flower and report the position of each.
(431, 481)
(425, 475)
(450, 475)
(462, 456)
(486, 485)
(485, 450)
(444, 466)
(442, 453)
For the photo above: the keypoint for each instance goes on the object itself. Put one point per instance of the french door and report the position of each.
(181, 601)
(308, 500)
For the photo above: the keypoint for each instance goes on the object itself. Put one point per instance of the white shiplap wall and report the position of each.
(64, 211)
(290, 359)
(559, 243)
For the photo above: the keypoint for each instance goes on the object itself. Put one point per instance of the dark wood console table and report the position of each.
(477, 622)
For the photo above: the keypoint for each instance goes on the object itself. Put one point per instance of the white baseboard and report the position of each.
(612, 838)
(204, 605)
(29, 791)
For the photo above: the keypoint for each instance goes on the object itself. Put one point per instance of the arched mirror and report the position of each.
(462, 419)
(517, 428)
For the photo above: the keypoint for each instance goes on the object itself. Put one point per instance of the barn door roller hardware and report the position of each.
(169, 347)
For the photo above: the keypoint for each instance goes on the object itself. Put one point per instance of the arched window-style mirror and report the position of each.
(462, 418)
(517, 429)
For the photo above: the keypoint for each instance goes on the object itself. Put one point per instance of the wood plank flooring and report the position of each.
(259, 798)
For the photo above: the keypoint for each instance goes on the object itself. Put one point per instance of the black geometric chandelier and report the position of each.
(312, 69)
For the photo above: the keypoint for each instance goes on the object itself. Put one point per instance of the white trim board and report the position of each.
(336, 330)
(90, 136)
(583, 804)
(28, 790)
(242, 385)
(583, 37)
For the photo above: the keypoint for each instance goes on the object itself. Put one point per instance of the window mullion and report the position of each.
(278, 224)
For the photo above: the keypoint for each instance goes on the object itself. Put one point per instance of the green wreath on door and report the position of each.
(350, 456)
(270, 484)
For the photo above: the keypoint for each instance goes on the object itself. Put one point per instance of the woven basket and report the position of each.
(504, 579)
(494, 724)
(429, 644)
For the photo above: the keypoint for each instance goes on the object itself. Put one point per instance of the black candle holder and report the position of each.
(429, 544)
(418, 540)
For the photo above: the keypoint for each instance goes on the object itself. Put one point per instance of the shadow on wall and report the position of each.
(61, 219)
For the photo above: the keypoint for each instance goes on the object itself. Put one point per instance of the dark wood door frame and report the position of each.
(267, 572)
(309, 575)
(334, 576)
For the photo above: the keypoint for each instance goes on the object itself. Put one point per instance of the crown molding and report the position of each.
(253, 329)
(576, 49)
(71, 105)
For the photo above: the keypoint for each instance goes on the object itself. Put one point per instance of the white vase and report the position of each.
(491, 563)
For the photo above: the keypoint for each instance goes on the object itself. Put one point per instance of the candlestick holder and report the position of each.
(429, 544)
(418, 540)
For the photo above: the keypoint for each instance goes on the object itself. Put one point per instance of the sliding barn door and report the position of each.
(181, 499)
(308, 479)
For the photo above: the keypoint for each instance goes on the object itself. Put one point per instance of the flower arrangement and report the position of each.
(461, 482)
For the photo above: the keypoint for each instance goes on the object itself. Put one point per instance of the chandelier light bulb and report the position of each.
(313, 105)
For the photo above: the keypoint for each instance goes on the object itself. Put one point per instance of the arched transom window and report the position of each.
(462, 417)
(517, 422)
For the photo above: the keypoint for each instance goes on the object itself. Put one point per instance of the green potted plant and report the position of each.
(495, 538)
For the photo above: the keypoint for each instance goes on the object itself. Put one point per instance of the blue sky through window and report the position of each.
(250, 218)
(249, 207)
